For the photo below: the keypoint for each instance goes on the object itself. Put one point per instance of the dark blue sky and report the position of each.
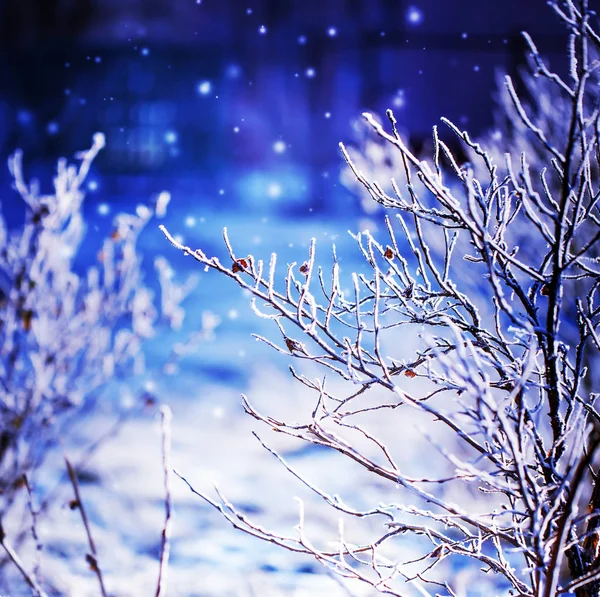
(34, 22)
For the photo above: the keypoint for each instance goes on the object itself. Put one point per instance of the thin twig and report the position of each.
(165, 544)
(12, 554)
(91, 558)
(33, 513)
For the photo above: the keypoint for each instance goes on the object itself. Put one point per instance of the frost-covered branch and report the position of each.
(480, 316)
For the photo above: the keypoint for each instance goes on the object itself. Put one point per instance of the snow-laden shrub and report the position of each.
(476, 328)
(65, 334)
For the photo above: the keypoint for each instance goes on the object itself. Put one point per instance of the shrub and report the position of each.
(480, 314)
(67, 333)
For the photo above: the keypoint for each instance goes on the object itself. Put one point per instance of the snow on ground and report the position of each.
(212, 443)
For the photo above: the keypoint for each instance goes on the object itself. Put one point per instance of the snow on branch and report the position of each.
(490, 268)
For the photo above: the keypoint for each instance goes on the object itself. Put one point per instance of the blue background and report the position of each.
(195, 96)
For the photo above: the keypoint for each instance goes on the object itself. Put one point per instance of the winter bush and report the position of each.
(478, 319)
(66, 335)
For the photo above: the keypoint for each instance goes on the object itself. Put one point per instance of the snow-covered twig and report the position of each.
(92, 557)
(165, 542)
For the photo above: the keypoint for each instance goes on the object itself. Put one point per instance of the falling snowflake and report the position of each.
(52, 128)
(204, 87)
(171, 137)
(414, 16)
(274, 190)
(279, 147)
